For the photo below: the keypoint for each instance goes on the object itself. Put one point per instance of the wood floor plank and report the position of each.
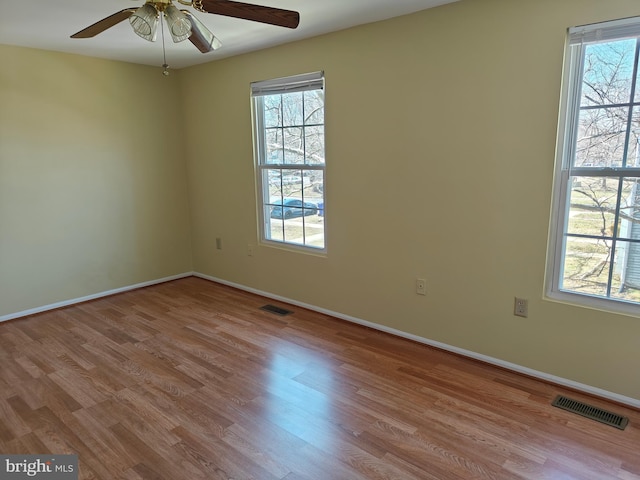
(191, 380)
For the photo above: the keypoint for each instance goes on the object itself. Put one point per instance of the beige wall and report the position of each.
(440, 147)
(92, 183)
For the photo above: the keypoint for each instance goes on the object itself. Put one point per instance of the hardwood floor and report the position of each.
(190, 380)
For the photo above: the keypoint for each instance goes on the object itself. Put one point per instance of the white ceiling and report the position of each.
(48, 24)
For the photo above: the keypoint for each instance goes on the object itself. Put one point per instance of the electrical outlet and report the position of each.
(521, 307)
(218, 243)
(250, 249)
(421, 286)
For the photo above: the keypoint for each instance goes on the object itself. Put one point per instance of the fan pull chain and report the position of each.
(165, 66)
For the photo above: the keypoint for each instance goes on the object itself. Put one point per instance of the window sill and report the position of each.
(312, 251)
(594, 303)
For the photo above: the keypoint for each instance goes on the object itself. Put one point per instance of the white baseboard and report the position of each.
(598, 392)
(73, 301)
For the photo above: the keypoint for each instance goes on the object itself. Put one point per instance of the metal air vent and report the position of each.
(276, 310)
(591, 412)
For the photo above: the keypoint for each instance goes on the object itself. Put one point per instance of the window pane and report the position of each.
(625, 284)
(633, 155)
(601, 136)
(293, 226)
(628, 224)
(284, 183)
(608, 73)
(313, 185)
(291, 181)
(292, 109)
(314, 145)
(272, 179)
(586, 266)
(274, 152)
(314, 107)
(276, 230)
(314, 230)
(293, 145)
(592, 206)
(272, 111)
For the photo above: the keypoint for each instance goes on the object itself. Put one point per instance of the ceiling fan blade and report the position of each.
(102, 25)
(203, 45)
(256, 13)
(203, 39)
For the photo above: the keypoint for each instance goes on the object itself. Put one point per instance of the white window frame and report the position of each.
(578, 39)
(296, 83)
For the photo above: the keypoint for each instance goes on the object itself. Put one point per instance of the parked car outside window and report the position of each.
(292, 207)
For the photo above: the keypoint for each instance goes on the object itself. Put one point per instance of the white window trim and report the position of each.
(295, 83)
(618, 29)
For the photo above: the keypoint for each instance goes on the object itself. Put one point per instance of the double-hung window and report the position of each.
(290, 160)
(595, 238)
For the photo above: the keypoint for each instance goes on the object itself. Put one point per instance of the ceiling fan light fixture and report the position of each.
(179, 24)
(145, 22)
(201, 36)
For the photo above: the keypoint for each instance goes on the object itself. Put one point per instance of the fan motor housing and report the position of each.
(160, 4)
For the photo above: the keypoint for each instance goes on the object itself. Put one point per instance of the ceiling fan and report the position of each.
(183, 25)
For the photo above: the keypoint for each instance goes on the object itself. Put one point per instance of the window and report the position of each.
(290, 160)
(595, 244)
